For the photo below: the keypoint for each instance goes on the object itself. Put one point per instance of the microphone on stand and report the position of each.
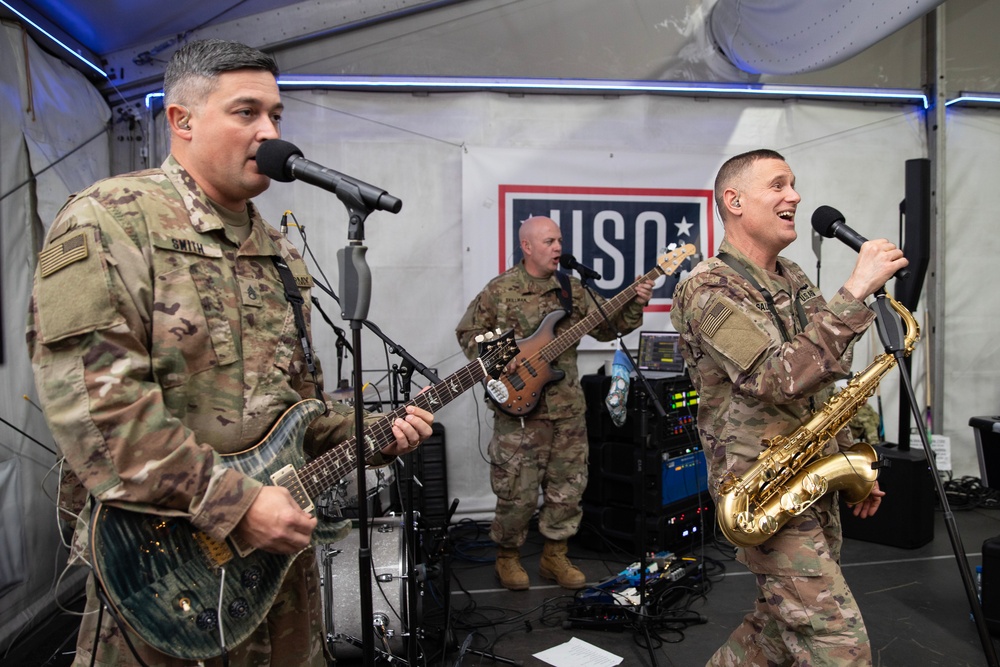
(829, 222)
(283, 161)
(569, 263)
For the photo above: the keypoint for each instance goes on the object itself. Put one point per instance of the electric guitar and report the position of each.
(173, 584)
(517, 393)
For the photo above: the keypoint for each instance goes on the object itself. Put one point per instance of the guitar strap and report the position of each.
(294, 297)
(566, 293)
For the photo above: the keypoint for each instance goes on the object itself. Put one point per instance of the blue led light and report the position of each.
(291, 82)
(974, 98)
(66, 47)
(602, 85)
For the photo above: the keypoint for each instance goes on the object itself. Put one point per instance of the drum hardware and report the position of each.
(391, 614)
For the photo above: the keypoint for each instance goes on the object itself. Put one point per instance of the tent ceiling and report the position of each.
(566, 39)
(115, 25)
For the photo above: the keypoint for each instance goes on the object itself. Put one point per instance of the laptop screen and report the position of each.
(659, 351)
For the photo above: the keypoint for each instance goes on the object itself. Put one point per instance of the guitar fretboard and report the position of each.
(326, 470)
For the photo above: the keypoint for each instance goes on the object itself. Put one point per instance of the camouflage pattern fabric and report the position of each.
(551, 453)
(754, 386)
(552, 449)
(158, 342)
(864, 425)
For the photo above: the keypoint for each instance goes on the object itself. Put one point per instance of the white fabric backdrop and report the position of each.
(47, 109)
(429, 260)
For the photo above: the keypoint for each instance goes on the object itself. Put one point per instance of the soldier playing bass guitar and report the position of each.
(547, 447)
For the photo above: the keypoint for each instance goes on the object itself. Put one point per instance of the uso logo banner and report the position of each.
(617, 213)
(618, 232)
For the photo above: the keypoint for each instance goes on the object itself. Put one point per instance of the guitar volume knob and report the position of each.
(239, 608)
(251, 577)
(207, 620)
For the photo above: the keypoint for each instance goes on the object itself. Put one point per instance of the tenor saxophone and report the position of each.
(787, 476)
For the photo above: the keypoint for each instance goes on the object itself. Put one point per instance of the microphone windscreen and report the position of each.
(272, 159)
(824, 218)
(567, 262)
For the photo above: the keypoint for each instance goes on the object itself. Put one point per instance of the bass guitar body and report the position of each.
(518, 393)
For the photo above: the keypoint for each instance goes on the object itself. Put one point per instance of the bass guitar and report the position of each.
(193, 597)
(517, 393)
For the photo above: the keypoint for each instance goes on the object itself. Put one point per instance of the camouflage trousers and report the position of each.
(805, 614)
(291, 634)
(546, 453)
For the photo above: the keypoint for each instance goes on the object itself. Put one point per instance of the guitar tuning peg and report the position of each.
(498, 331)
(480, 338)
(488, 335)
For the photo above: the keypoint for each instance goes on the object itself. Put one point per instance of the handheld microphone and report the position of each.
(830, 223)
(283, 161)
(569, 263)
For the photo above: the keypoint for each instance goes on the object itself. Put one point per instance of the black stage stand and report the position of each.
(890, 331)
(355, 290)
(647, 397)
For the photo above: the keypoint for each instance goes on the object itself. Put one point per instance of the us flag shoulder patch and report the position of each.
(714, 318)
(71, 248)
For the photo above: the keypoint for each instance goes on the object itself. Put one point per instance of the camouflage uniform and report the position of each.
(159, 342)
(551, 450)
(753, 386)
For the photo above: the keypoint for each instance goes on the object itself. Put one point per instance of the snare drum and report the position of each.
(341, 583)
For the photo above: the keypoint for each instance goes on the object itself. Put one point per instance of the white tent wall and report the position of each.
(849, 156)
(38, 127)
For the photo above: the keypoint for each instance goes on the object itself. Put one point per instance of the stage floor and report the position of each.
(913, 602)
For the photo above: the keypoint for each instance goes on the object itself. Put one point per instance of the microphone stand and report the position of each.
(890, 332)
(645, 396)
(355, 288)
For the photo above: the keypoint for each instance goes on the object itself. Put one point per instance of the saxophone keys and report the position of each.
(768, 524)
(792, 503)
(814, 485)
(744, 521)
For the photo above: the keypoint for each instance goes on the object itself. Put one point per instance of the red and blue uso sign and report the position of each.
(619, 232)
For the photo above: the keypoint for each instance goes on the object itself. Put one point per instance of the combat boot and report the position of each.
(556, 566)
(509, 571)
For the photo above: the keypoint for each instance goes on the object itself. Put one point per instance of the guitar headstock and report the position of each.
(670, 261)
(496, 350)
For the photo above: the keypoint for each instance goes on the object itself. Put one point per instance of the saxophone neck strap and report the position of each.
(740, 268)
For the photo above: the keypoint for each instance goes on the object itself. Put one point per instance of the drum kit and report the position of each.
(390, 611)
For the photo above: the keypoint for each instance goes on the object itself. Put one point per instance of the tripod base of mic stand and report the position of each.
(905, 518)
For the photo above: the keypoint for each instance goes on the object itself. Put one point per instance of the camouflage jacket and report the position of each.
(751, 384)
(158, 343)
(516, 300)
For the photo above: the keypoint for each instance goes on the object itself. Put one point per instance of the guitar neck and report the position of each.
(563, 341)
(326, 470)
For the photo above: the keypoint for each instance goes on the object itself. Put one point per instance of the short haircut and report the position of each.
(734, 169)
(194, 68)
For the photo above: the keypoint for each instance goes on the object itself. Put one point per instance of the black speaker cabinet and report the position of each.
(906, 516)
(989, 595)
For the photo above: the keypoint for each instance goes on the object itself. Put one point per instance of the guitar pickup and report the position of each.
(288, 477)
(216, 553)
